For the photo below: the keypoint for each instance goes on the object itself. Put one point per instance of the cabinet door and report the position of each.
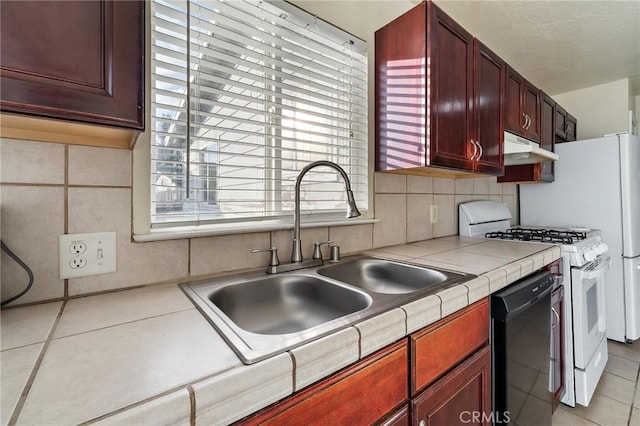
(488, 97)
(547, 135)
(557, 344)
(362, 394)
(460, 397)
(531, 108)
(514, 120)
(572, 128)
(561, 123)
(451, 53)
(75, 60)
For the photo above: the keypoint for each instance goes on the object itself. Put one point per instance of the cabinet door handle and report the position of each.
(568, 131)
(422, 423)
(555, 313)
(524, 126)
(479, 146)
(475, 149)
(528, 122)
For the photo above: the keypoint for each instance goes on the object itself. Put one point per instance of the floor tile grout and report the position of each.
(604, 394)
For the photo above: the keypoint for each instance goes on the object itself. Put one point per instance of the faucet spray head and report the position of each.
(352, 209)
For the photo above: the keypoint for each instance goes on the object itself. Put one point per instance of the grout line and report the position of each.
(54, 185)
(293, 372)
(633, 397)
(135, 405)
(66, 210)
(25, 392)
(189, 257)
(123, 323)
(192, 405)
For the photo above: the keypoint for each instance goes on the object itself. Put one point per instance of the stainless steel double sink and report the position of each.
(261, 315)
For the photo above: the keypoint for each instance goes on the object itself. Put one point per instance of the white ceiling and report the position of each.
(559, 46)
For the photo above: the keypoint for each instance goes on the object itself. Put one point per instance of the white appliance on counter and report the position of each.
(585, 260)
(597, 185)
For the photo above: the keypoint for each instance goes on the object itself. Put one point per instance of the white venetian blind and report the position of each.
(244, 95)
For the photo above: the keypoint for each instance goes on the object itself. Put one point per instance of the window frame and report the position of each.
(142, 230)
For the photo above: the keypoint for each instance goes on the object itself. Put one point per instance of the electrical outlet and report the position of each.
(87, 254)
(434, 213)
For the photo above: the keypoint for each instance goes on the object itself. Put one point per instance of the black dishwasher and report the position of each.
(520, 330)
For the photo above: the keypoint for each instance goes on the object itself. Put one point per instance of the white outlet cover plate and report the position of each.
(100, 254)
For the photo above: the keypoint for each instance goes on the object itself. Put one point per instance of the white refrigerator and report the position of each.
(597, 186)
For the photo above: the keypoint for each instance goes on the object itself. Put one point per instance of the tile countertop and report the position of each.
(147, 355)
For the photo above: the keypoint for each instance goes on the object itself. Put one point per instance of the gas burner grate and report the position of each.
(540, 235)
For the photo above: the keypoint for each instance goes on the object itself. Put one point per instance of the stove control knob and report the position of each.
(590, 255)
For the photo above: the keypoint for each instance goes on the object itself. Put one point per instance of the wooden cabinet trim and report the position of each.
(347, 395)
(432, 354)
(67, 132)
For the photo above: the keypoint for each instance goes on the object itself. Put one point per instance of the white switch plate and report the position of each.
(87, 254)
(434, 213)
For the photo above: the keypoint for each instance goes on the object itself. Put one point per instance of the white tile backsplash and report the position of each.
(98, 199)
(114, 166)
(31, 218)
(391, 209)
(213, 255)
(24, 161)
(390, 183)
(419, 226)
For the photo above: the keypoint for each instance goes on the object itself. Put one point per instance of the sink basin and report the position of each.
(384, 276)
(261, 315)
(286, 304)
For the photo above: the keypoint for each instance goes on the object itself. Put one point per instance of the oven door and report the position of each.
(589, 322)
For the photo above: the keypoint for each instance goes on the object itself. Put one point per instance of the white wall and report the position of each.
(600, 110)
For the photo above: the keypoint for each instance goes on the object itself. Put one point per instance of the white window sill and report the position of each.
(176, 233)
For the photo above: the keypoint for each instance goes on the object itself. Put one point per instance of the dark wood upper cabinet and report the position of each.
(539, 172)
(450, 49)
(489, 75)
(522, 106)
(427, 85)
(572, 127)
(74, 60)
(561, 123)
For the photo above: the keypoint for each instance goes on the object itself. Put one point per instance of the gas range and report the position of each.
(489, 219)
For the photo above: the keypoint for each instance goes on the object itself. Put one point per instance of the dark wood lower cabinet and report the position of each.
(400, 417)
(361, 394)
(461, 397)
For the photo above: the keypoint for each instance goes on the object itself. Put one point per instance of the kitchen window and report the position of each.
(242, 101)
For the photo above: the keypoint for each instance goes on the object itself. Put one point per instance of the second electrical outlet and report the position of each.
(434, 213)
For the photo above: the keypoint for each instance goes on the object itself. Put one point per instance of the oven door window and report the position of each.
(588, 314)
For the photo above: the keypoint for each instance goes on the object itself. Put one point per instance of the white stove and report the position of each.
(585, 260)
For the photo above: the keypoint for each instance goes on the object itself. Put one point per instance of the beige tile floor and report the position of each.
(617, 397)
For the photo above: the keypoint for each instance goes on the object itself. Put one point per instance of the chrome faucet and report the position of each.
(352, 209)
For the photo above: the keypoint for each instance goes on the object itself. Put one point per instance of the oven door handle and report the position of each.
(593, 273)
